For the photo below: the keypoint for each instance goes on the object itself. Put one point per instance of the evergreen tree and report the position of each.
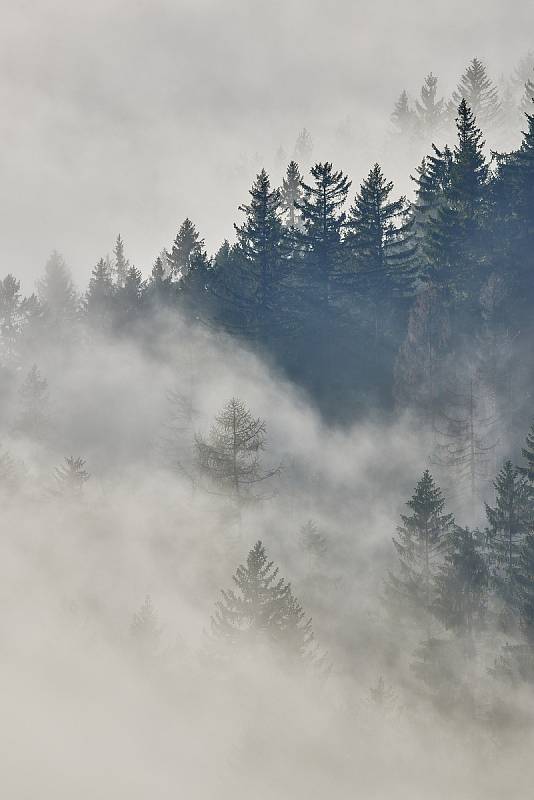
(290, 196)
(229, 456)
(11, 316)
(421, 542)
(33, 416)
(56, 293)
(262, 610)
(454, 233)
(429, 111)
(121, 265)
(70, 478)
(381, 242)
(303, 148)
(186, 244)
(99, 297)
(323, 220)
(128, 298)
(145, 630)
(462, 582)
(403, 116)
(479, 93)
(160, 289)
(312, 541)
(525, 581)
(528, 454)
(509, 521)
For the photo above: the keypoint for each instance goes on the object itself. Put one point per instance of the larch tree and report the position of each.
(229, 457)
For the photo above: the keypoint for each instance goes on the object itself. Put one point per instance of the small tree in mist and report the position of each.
(33, 415)
(291, 193)
(185, 246)
(99, 297)
(479, 92)
(429, 110)
(229, 457)
(303, 147)
(420, 543)
(403, 116)
(261, 609)
(70, 478)
(11, 317)
(145, 630)
(313, 541)
(121, 264)
(56, 293)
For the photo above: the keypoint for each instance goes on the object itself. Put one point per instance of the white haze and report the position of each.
(130, 116)
(83, 714)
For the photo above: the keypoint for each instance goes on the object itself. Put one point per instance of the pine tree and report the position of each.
(462, 582)
(186, 244)
(121, 265)
(70, 478)
(421, 542)
(33, 416)
(403, 116)
(479, 93)
(509, 521)
(261, 610)
(429, 111)
(99, 297)
(291, 195)
(229, 457)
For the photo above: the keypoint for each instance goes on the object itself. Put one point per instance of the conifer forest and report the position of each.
(266, 401)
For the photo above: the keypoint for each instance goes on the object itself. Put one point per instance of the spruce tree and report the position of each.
(479, 93)
(509, 521)
(429, 111)
(99, 297)
(403, 116)
(229, 457)
(528, 454)
(56, 294)
(462, 582)
(121, 265)
(11, 316)
(421, 543)
(185, 245)
(323, 221)
(33, 418)
(128, 298)
(303, 148)
(290, 196)
(380, 240)
(261, 610)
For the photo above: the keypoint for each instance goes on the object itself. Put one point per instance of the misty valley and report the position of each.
(268, 511)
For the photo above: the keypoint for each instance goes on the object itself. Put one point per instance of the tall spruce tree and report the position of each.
(121, 264)
(323, 221)
(429, 110)
(421, 543)
(462, 582)
(479, 93)
(99, 297)
(261, 610)
(185, 246)
(290, 195)
(509, 522)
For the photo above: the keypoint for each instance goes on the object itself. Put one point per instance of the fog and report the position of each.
(116, 682)
(128, 117)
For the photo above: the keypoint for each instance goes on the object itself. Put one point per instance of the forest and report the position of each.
(270, 510)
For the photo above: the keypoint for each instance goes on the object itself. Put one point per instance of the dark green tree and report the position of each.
(185, 246)
(421, 543)
(261, 610)
(462, 582)
(290, 196)
(509, 521)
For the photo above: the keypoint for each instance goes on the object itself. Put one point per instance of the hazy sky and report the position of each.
(127, 116)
